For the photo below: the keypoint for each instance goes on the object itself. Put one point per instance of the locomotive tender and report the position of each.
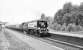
(38, 28)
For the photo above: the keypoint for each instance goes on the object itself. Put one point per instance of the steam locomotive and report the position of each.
(38, 28)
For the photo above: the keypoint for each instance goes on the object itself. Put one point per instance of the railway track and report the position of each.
(52, 41)
(66, 43)
(65, 40)
(72, 41)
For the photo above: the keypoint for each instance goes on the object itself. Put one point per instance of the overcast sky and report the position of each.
(17, 11)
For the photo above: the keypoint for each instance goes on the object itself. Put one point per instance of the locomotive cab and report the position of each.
(42, 24)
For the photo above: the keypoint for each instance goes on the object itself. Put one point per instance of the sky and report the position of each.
(18, 11)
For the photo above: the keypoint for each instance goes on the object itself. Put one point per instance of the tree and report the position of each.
(69, 14)
(81, 7)
(58, 17)
(70, 17)
(67, 7)
(42, 16)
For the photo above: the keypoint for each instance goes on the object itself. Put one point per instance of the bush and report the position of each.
(74, 28)
(63, 27)
(79, 28)
(68, 28)
(56, 26)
